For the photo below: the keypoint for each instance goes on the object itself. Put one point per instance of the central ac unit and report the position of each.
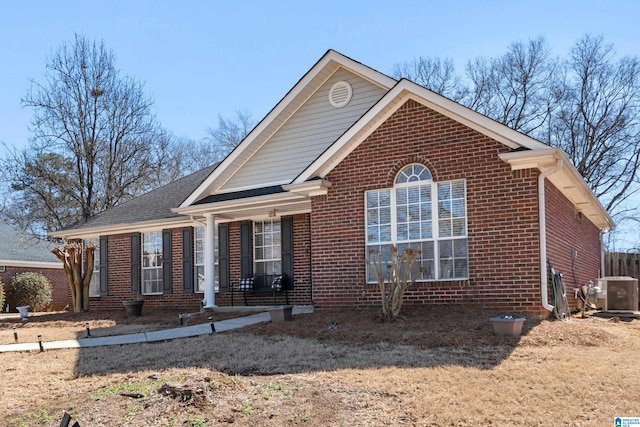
(618, 293)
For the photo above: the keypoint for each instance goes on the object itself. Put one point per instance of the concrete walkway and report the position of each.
(162, 335)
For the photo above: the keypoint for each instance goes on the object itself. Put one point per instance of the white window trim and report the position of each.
(143, 268)
(96, 266)
(436, 239)
(267, 260)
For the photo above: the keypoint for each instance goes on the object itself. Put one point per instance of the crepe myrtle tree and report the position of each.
(78, 269)
(394, 277)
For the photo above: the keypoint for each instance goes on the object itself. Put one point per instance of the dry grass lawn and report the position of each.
(437, 366)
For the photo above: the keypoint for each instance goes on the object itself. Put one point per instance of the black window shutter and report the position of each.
(166, 261)
(187, 260)
(246, 250)
(286, 250)
(104, 258)
(223, 257)
(135, 263)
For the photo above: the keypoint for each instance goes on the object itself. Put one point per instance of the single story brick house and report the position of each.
(22, 253)
(351, 160)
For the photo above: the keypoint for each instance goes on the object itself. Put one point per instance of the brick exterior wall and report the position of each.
(60, 292)
(567, 230)
(329, 242)
(119, 279)
(119, 274)
(501, 207)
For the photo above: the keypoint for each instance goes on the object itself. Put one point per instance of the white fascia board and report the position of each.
(403, 91)
(31, 264)
(567, 180)
(92, 232)
(269, 200)
(231, 161)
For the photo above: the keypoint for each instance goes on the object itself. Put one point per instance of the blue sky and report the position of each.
(199, 59)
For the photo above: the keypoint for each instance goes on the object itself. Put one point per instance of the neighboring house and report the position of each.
(20, 253)
(351, 160)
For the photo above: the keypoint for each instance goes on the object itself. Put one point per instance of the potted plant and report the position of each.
(133, 307)
(507, 325)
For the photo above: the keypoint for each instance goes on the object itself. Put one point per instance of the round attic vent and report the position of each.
(340, 94)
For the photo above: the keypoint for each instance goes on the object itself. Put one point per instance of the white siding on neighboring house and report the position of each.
(313, 128)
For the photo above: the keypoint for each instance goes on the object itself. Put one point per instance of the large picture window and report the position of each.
(152, 262)
(267, 247)
(420, 213)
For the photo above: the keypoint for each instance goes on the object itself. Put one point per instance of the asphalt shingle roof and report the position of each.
(154, 205)
(16, 245)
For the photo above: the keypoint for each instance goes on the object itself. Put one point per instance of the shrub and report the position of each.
(32, 289)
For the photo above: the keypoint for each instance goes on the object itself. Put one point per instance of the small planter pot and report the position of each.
(24, 312)
(281, 314)
(507, 325)
(133, 307)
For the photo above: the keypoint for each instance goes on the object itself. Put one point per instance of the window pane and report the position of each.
(426, 232)
(401, 196)
(385, 233)
(385, 216)
(444, 209)
(385, 198)
(459, 227)
(445, 229)
(458, 189)
(403, 232)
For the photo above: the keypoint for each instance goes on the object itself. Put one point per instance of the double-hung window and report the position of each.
(94, 285)
(422, 214)
(152, 262)
(267, 247)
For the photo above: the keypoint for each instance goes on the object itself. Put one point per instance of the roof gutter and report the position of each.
(544, 297)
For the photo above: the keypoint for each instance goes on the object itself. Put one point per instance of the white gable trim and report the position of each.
(292, 101)
(403, 91)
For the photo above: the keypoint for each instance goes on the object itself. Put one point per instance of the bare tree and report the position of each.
(433, 73)
(94, 140)
(224, 138)
(77, 260)
(598, 124)
(519, 89)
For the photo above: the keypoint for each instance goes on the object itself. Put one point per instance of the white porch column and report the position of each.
(209, 262)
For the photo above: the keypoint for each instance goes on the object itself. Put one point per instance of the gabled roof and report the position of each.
(19, 249)
(151, 209)
(283, 111)
(403, 91)
(398, 94)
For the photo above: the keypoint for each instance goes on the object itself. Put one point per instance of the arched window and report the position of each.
(420, 213)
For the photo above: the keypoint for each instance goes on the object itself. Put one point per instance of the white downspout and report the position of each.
(544, 298)
(209, 263)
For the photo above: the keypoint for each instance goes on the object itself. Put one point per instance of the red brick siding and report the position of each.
(501, 207)
(301, 293)
(119, 278)
(60, 293)
(567, 230)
